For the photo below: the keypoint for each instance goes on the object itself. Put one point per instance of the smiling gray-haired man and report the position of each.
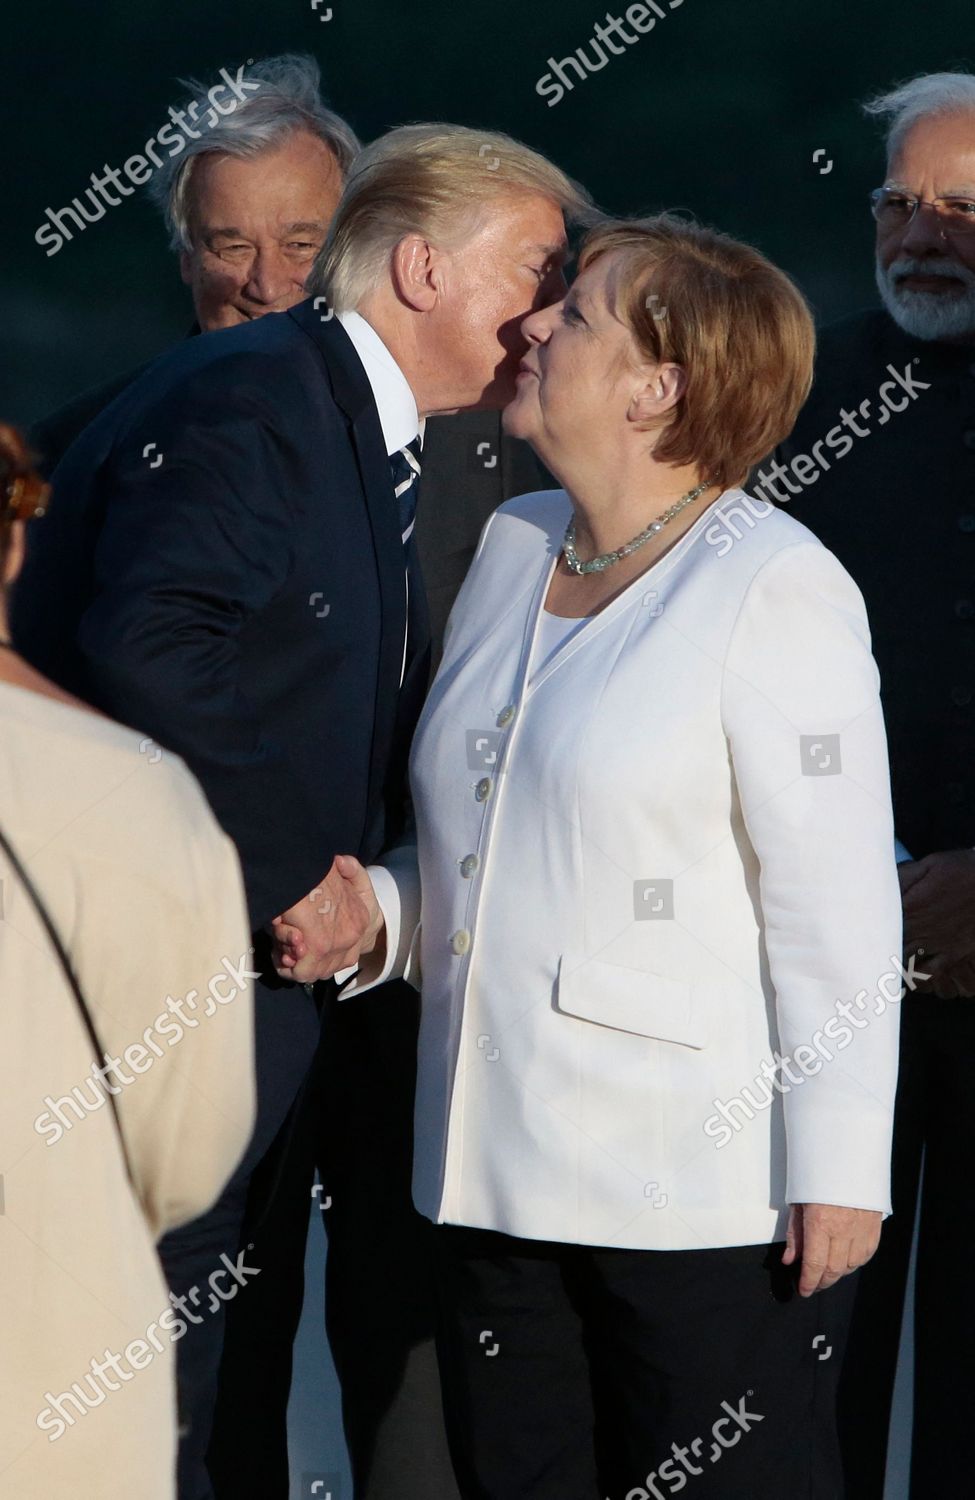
(247, 202)
(881, 466)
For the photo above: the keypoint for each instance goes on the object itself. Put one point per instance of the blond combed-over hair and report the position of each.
(437, 180)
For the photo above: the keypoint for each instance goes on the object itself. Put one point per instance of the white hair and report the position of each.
(930, 316)
(917, 99)
(288, 101)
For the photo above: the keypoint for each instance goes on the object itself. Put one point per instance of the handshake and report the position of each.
(333, 928)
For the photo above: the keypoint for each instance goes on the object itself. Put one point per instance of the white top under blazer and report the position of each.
(648, 868)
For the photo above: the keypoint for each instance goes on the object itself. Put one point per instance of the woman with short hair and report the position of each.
(655, 847)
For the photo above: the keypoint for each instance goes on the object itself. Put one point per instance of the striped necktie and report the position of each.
(405, 465)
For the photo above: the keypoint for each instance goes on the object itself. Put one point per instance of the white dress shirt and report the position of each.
(395, 403)
(394, 399)
(649, 869)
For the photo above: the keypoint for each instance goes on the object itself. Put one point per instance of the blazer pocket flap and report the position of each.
(629, 1000)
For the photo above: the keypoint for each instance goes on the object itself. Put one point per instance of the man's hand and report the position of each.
(939, 918)
(329, 930)
(829, 1242)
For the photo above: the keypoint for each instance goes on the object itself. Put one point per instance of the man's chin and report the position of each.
(933, 316)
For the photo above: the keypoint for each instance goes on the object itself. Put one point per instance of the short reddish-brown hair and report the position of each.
(737, 325)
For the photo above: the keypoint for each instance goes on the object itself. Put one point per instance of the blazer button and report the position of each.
(460, 942)
(469, 866)
(505, 716)
(483, 789)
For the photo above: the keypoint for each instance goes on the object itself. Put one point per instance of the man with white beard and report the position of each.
(881, 466)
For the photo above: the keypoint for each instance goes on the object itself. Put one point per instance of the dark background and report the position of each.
(718, 110)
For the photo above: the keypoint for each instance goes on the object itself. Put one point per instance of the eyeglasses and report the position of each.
(895, 210)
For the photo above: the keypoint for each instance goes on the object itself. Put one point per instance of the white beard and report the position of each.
(928, 315)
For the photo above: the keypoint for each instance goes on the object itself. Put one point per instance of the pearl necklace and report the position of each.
(606, 559)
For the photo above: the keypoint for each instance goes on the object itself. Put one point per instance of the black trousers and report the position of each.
(355, 1123)
(380, 1303)
(577, 1373)
(242, 1228)
(247, 1457)
(934, 1117)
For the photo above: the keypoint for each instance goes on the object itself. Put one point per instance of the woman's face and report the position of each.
(583, 373)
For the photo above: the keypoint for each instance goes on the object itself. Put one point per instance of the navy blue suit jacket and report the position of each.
(222, 569)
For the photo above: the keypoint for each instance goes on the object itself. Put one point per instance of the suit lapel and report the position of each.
(353, 395)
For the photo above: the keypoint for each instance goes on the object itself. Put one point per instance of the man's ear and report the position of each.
(416, 272)
(663, 388)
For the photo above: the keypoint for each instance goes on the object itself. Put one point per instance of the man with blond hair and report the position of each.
(231, 567)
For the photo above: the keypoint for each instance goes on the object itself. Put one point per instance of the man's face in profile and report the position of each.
(509, 267)
(256, 224)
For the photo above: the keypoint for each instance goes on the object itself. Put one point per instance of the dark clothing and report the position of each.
(898, 509)
(53, 435)
(469, 468)
(935, 1115)
(222, 568)
(573, 1373)
(200, 526)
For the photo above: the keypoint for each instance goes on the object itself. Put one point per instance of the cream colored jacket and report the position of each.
(146, 893)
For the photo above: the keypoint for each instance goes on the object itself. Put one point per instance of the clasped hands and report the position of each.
(333, 928)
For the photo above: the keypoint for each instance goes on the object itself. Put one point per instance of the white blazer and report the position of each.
(649, 872)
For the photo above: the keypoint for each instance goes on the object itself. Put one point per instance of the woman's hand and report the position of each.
(829, 1242)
